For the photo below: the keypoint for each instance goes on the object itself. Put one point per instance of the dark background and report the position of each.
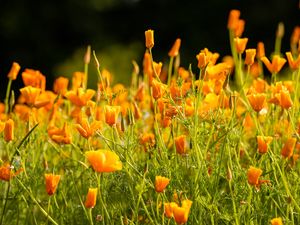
(52, 35)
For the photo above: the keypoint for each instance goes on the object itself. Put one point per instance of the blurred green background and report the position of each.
(52, 35)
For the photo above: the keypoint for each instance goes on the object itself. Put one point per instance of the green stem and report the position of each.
(36, 202)
(170, 70)
(7, 96)
(91, 216)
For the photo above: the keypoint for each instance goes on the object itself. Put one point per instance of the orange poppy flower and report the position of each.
(181, 144)
(233, 19)
(294, 64)
(205, 57)
(147, 65)
(253, 175)
(240, 44)
(61, 85)
(30, 94)
(263, 143)
(77, 80)
(183, 73)
(9, 130)
(257, 101)
(250, 55)
(175, 48)
(149, 36)
(80, 97)
(34, 78)
(276, 221)
(112, 114)
(104, 160)
(284, 99)
(158, 89)
(240, 28)
(60, 136)
(6, 172)
(147, 139)
(91, 198)
(161, 183)
(260, 50)
(13, 73)
(51, 183)
(140, 94)
(136, 111)
(276, 65)
(181, 214)
(87, 129)
(288, 148)
(168, 208)
(22, 111)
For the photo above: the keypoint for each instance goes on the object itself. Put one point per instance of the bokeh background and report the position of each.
(52, 35)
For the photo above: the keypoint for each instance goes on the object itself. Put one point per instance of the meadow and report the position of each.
(218, 144)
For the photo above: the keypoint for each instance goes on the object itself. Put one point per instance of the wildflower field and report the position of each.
(218, 144)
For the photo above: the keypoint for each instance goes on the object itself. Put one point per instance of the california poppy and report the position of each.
(13, 73)
(250, 55)
(6, 172)
(257, 101)
(276, 65)
(175, 48)
(104, 160)
(276, 221)
(181, 214)
(112, 114)
(263, 143)
(9, 130)
(288, 148)
(181, 144)
(149, 36)
(91, 198)
(161, 183)
(240, 44)
(51, 183)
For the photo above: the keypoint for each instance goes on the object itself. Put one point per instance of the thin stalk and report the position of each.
(7, 96)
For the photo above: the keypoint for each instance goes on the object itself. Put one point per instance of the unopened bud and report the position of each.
(229, 174)
(280, 30)
(87, 56)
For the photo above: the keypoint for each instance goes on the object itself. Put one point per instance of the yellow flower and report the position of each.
(276, 221)
(104, 160)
